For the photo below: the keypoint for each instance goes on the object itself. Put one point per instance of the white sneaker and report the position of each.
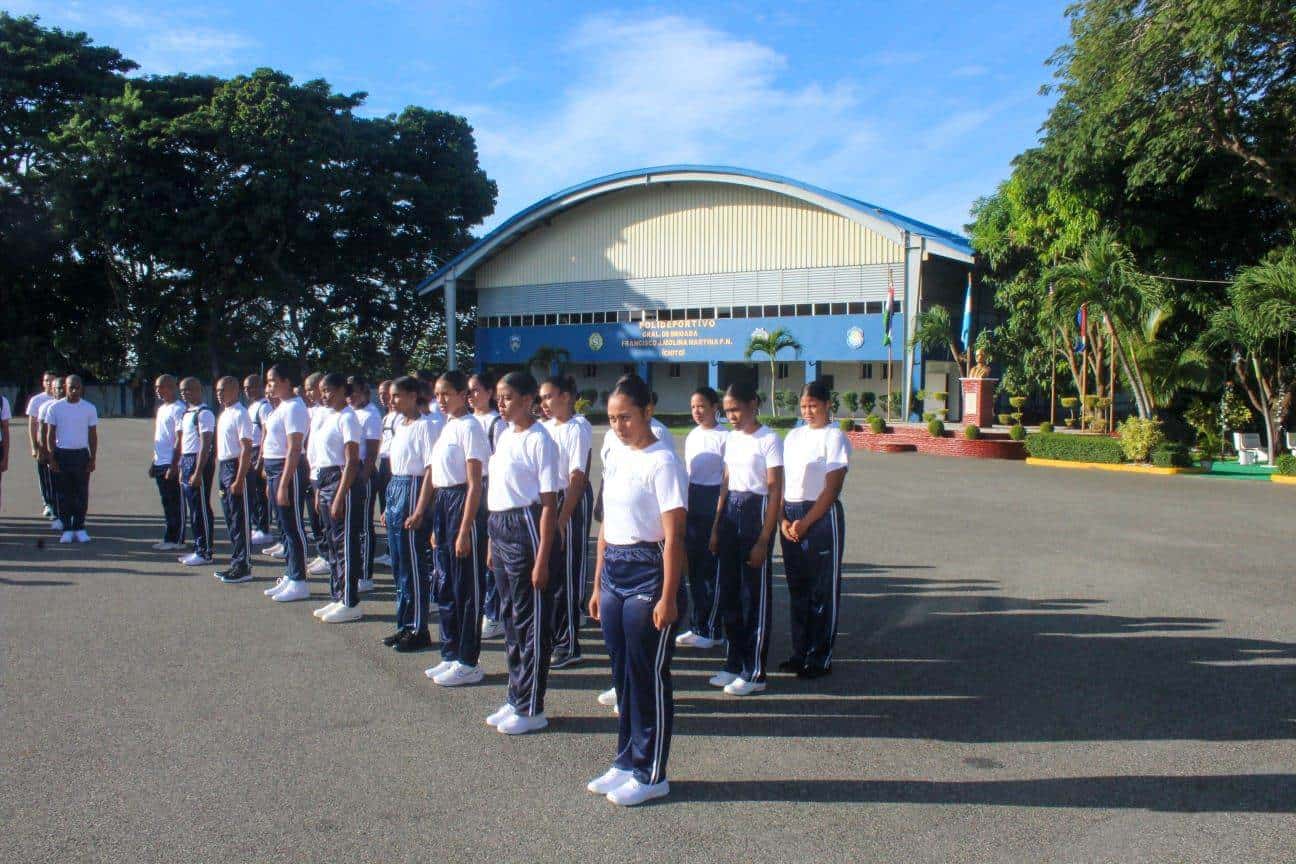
(491, 629)
(608, 698)
(82, 537)
(68, 537)
(722, 679)
(501, 714)
(384, 560)
(57, 525)
(324, 610)
(163, 546)
(260, 538)
(689, 639)
(298, 590)
(193, 559)
(460, 674)
(433, 671)
(47, 513)
(275, 588)
(610, 780)
(364, 586)
(741, 687)
(318, 567)
(275, 551)
(521, 724)
(632, 792)
(342, 614)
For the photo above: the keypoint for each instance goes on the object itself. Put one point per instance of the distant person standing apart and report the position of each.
(481, 396)
(341, 496)
(282, 453)
(704, 450)
(640, 589)
(371, 439)
(258, 408)
(196, 457)
(37, 441)
(816, 457)
(234, 457)
(166, 428)
(72, 442)
(523, 504)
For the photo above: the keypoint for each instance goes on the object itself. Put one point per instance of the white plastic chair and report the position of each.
(1291, 442)
(1249, 449)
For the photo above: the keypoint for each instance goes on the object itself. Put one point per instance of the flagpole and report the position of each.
(888, 371)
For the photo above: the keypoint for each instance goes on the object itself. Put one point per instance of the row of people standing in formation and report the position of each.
(63, 434)
(488, 510)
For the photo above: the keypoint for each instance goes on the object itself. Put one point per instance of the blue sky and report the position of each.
(918, 107)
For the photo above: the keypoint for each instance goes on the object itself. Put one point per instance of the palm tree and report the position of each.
(770, 345)
(934, 330)
(549, 359)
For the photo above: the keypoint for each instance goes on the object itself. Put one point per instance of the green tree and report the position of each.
(933, 330)
(771, 344)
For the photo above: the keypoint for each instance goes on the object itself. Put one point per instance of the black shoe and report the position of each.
(792, 666)
(413, 642)
(564, 662)
(390, 641)
(233, 577)
(813, 672)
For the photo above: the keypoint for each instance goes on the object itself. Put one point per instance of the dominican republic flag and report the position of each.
(967, 316)
(1082, 320)
(886, 313)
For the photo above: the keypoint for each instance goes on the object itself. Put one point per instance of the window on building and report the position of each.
(770, 311)
(591, 370)
(839, 308)
(874, 307)
(886, 371)
(623, 316)
(740, 311)
(707, 313)
(866, 371)
(855, 308)
(694, 314)
(821, 309)
(563, 318)
(587, 317)
(674, 370)
(803, 309)
(757, 311)
(782, 371)
(679, 314)
(895, 307)
(787, 309)
(515, 321)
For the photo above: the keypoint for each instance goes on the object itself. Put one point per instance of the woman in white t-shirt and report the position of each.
(813, 529)
(283, 455)
(481, 396)
(704, 461)
(751, 501)
(337, 466)
(639, 593)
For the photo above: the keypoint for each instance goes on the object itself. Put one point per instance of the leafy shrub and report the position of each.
(896, 402)
(1074, 448)
(868, 399)
(834, 399)
(1069, 401)
(846, 424)
(971, 432)
(929, 416)
(779, 422)
(935, 428)
(674, 419)
(1017, 432)
(1046, 426)
(1139, 437)
(785, 400)
(876, 424)
(589, 394)
(851, 400)
(1171, 455)
(596, 418)
(939, 394)
(582, 405)
(1287, 465)
(1018, 402)
(1005, 419)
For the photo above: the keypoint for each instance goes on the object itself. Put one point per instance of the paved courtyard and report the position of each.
(1034, 665)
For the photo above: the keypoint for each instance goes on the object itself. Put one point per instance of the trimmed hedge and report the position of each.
(1074, 448)
(1017, 432)
(778, 422)
(1287, 465)
(1171, 456)
(876, 424)
(971, 432)
(846, 424)
(1046, 426)
(935, 428)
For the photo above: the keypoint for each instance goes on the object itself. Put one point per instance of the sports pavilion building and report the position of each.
(669, 271)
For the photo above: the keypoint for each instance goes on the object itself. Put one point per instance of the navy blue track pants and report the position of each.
(256, 493)
(237, 510)
(490, 597)
(641, 657)
(704, 605)
(366, 526)
(526, 611)
(567, 570)
(173, 511)
(72, 487)
(813, 569)
(45, 477)
(458, 580)
(746, 593)
(290, 515)
(410, 555)
(342, 536)
(197, 497)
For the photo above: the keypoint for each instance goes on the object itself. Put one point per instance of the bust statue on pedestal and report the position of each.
(982, 367)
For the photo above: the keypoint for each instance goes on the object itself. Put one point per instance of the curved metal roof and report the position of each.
(886, 222)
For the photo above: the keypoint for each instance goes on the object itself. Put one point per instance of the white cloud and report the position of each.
(971, 70)
(176, 48)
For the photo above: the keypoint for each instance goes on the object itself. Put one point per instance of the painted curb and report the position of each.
(1105, 466)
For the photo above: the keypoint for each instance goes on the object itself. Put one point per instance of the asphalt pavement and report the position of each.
(1034, 665)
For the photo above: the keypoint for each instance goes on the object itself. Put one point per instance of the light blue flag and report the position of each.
(967, 316)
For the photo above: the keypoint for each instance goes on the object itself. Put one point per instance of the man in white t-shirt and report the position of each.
(36, 437)
(234, 458)
(195, 455)
(166, 426)
(72, 442)
(259, 408)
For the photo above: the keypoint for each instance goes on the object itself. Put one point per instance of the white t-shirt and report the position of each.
(748, 457)
(573, 440)
(370, 426)
(461, 439)
(42, 413)
(197, 420)
(334, 429)
(259, 412)
(5, 414)
(808, 457)
(384, 443)
(232, 427)
(638, 487)
(493, 426)
(71, 422)
(525, 466)
(611, 443)
(290, 418)
(704, 455)
(36, 401)
(166, 425)
(411, 445)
